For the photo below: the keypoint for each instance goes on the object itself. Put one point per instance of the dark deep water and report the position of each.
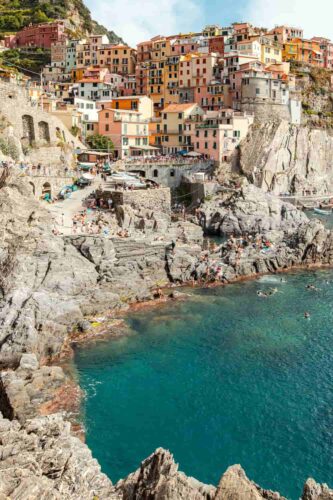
(225, 377)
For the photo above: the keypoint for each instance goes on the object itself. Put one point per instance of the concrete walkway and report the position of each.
(63, 211)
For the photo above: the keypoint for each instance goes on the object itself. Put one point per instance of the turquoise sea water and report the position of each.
(225, 377)
(327, 220)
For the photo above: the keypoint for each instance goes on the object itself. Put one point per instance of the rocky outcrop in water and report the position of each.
(280, 157)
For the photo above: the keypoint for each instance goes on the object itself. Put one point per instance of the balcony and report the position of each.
(207, 126)
(172, 61)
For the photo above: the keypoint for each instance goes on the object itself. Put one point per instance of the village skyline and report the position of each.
(137, 21)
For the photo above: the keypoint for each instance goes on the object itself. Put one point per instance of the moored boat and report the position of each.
(322, 212)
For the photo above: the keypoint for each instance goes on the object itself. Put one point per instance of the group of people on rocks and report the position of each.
(98, 223)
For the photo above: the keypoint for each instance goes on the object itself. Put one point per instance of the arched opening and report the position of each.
(155, 173)
(44, 132)
(28, 129)
(172, 173)
(33, 188)
(46, 191)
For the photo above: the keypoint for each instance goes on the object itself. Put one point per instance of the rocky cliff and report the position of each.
(49, 283)
(42, 459)
(280, 157)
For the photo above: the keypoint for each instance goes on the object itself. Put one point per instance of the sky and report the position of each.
(136, 21)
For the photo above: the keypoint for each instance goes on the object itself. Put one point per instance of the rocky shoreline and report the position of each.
(50, 284)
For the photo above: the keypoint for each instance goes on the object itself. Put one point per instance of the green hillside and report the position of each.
(15, 14)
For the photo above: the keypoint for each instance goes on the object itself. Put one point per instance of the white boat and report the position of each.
(322, 212)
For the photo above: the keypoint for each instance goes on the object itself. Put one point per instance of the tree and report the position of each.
(39, 17)
(100, 142)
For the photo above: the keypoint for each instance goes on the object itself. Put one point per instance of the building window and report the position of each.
(107, 127)
(206, 145)
(172, 173)
(155, 173)
(106, 115)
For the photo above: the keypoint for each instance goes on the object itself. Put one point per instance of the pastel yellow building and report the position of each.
(271, 50)
(174, 117)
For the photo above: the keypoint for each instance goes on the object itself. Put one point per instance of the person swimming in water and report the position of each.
(312, 287)
(307, 315)
(260, 293)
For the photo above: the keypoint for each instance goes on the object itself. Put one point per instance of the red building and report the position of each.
(216, 44)
(37, 35)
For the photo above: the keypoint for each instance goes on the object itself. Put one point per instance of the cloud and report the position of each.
(314, 17)
(136, 21)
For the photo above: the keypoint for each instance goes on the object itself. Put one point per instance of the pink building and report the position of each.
(210, 97)
(196, 70)
(37, 35)
(217, 134)
(128, 86)
(326, 46)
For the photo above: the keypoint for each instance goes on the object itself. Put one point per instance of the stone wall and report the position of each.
(33, 127)
(53, 183)
(265, 112)
(158, 199)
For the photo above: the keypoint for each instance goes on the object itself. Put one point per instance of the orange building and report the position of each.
(120, 59)
(303, 51)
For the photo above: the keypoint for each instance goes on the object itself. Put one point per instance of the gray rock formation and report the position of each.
(280, 157)
(249, 210)
(49, 283)
(44, 460)
(315, 491)
(235, 485)
(159, 478)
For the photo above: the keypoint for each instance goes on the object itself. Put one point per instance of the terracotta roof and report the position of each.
(177, 108)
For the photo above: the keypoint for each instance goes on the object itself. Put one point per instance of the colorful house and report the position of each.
(174, 117)
(326, 46)
(217, 133)
(128, 130)
(140, 104)
(38, 35)
(303, 51)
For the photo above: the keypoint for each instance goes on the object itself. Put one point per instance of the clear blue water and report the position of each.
(327, 220)
(225, 377)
